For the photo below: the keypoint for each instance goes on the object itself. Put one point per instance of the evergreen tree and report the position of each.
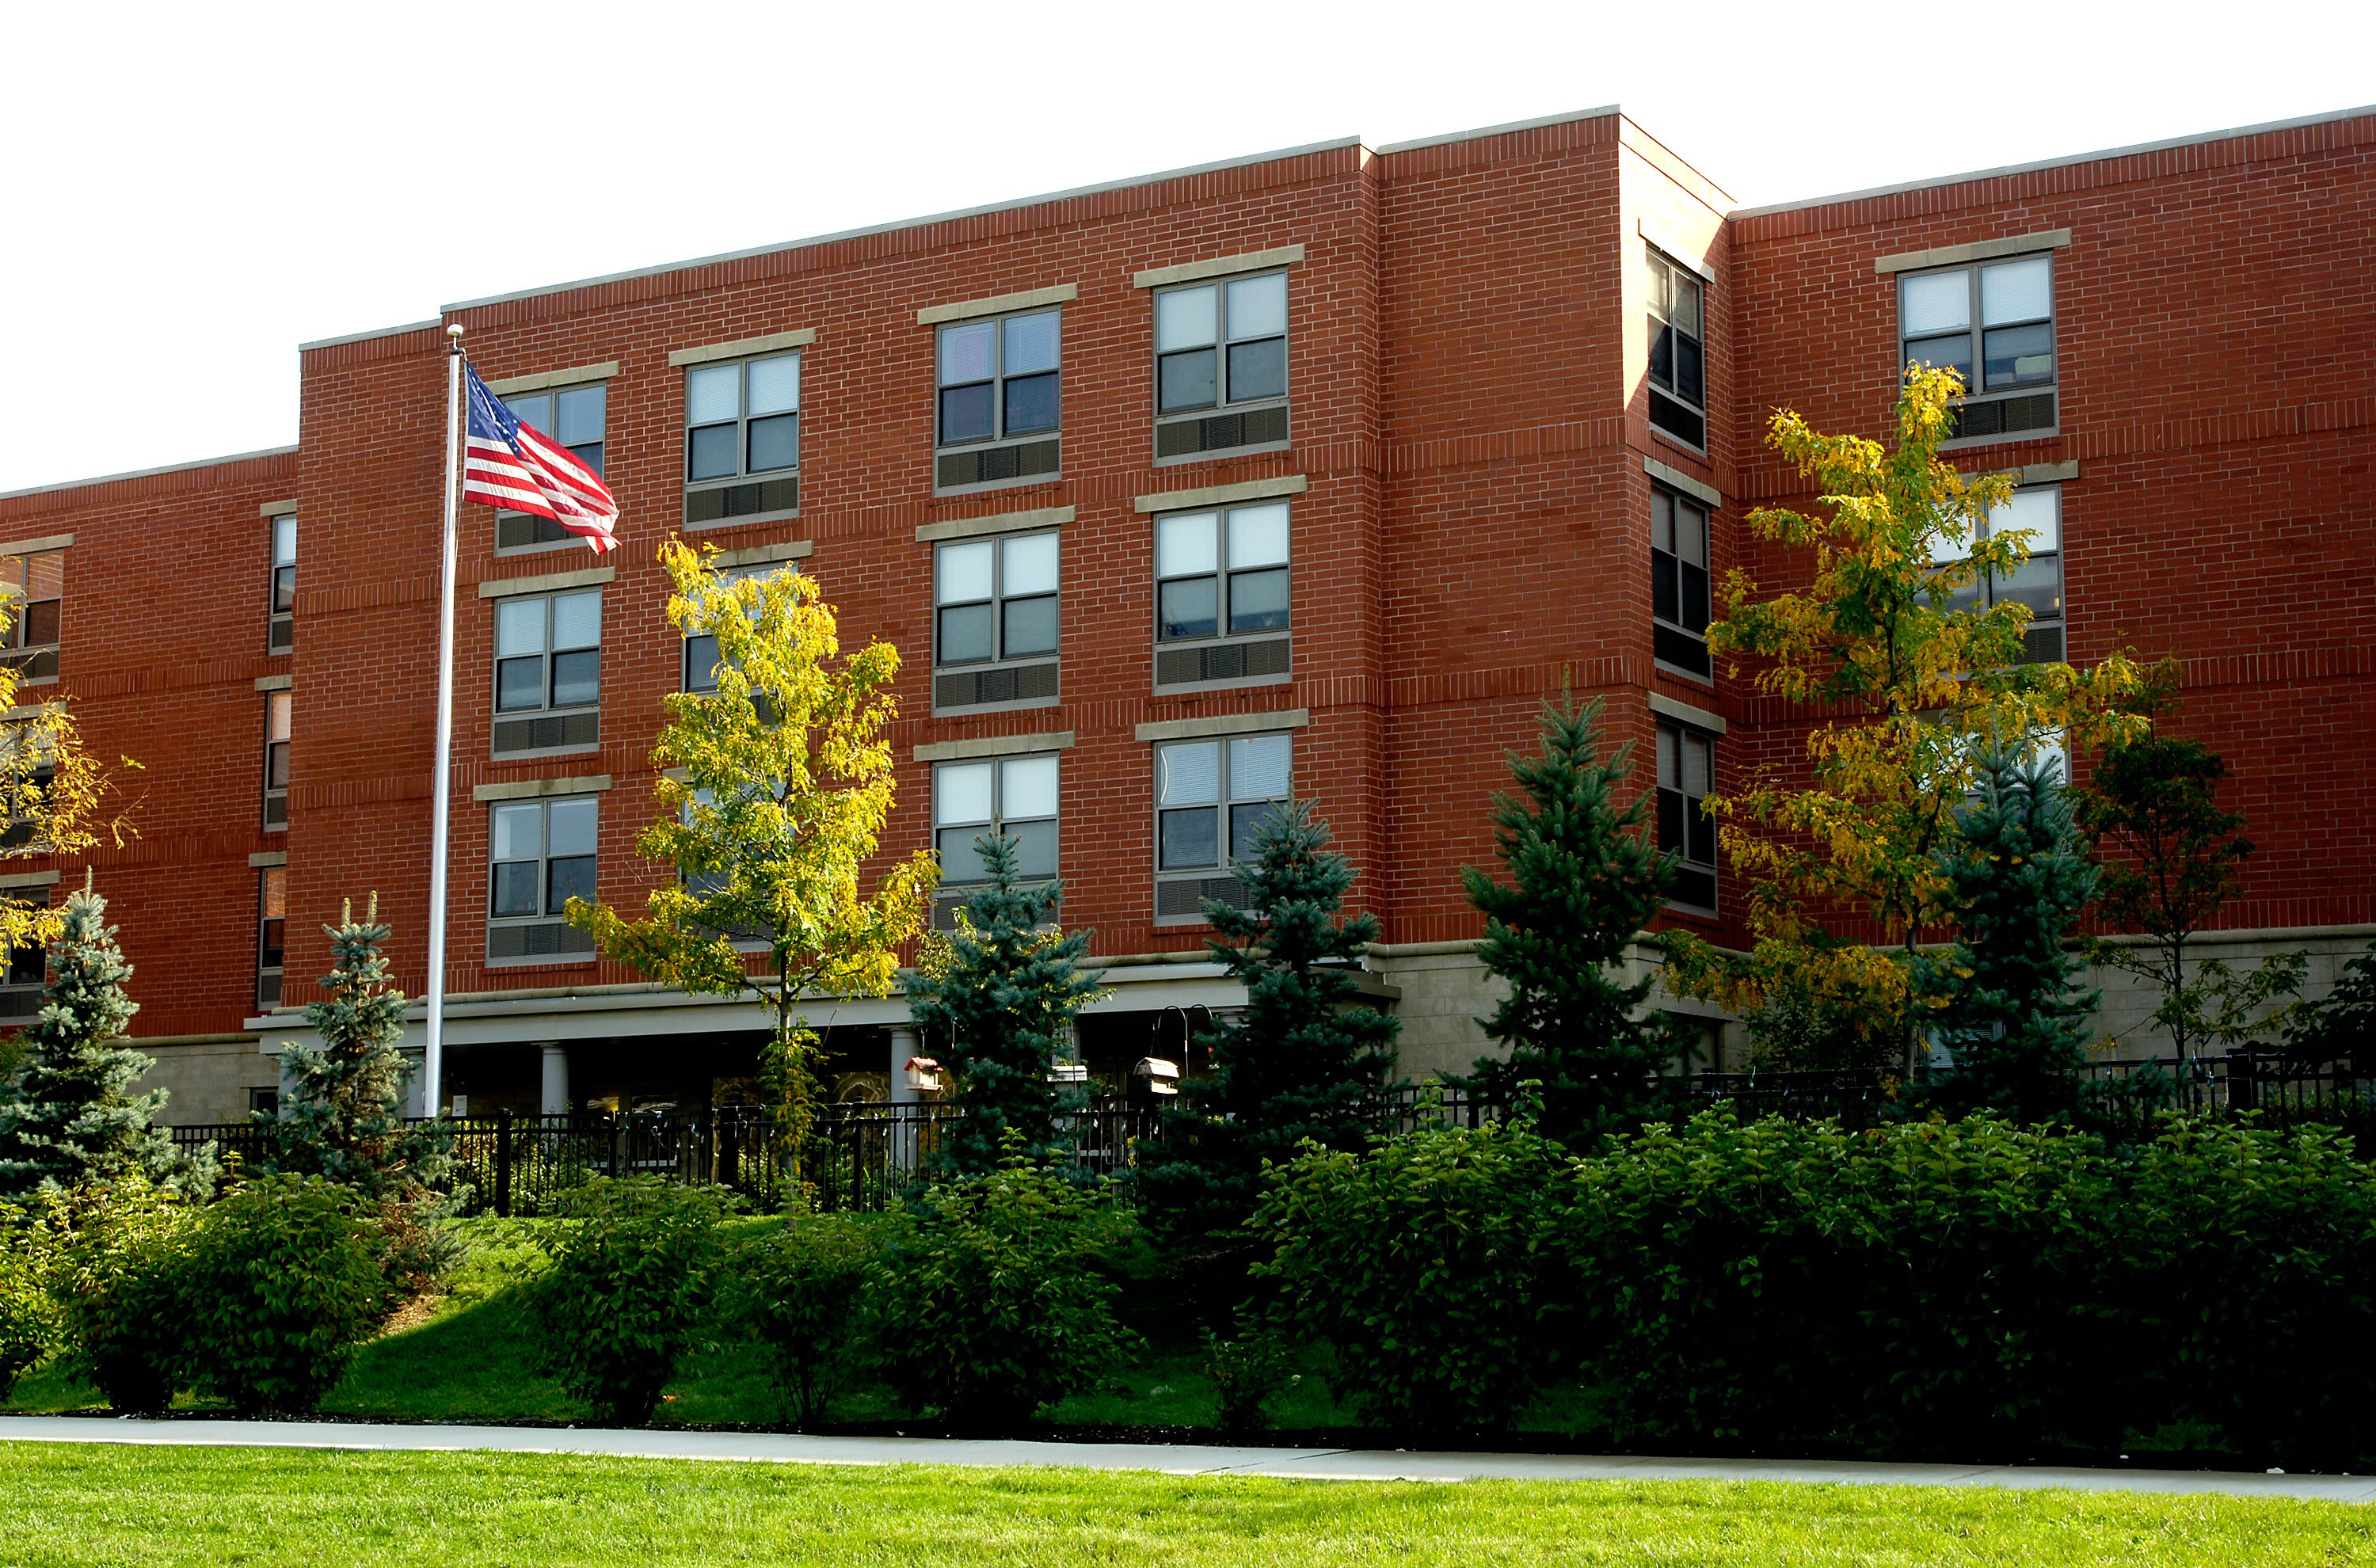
(1307, 1058)
(72, 1120)
(2009, 1012)
(341, 1113)
(998, 1014)
(1584, 879)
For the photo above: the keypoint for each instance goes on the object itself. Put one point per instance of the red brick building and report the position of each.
(1312, 472)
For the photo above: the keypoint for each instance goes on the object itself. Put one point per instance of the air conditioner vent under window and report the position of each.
(1692, 887)
(549, 732)
(547, 939)
(1679, 648)
(1677, 421)
(1220, 432)
(2006, 416)
(1222, 662)
(267, 992)
(20, 1005)
(1011, 683)
(276, 811)
(989, 465)
(728, 502)
(283, 634)
(524, 530)
(1187, 895)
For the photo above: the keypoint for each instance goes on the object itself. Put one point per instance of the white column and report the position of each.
(553, 1095)
(904, 1043)
(415, 1089)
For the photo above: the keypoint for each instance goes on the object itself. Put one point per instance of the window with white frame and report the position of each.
(1221, 595)
(996, 621)
(700, 675)
(2036, 511)
(280, 627)
(1677, 352)
(1679, 582)
(1993, 325)
(742, 440)
(1686, 831)
(29, 968)
(33, 596)
(271, 933)
(548, 672)
(997, 401)
(1220, 365)
(541, 854)
(574, 417)
(1014, 796)
(278, 707)
(1210, 796)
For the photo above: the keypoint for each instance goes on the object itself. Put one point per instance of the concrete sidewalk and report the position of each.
(1311, 1464)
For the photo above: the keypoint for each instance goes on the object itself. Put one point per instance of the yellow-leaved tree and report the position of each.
(774, 790)
(1907, 678)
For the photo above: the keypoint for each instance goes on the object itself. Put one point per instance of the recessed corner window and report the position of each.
(1993, 325)
(280, 630)
(1678, 353)
(1686, 831)
(995, 621)
(741, 439)
(574, 417)
(1220, 365)
(1679, 581)
(541, 854)
(271, 933)
(1210, 796)
(278, 707)
(998, 402)
(1221, 595)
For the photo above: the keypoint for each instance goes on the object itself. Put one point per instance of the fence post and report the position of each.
(2243, 1088)
(618, 1145)
(503, 1164)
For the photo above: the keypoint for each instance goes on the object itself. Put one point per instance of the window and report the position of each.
(1221, 346)
(1686, 778)
(574, 417)
(277, 708)
(35, 587)
(271, 930)
(263, 1101)
(994, 621)
(2013, 303)
(701, 647)
(280, 634)
(1222, 600)
(997, 406)
(742, 440)
(1678, 362)
(2037, 582)
(1679, 582)
(1209, 797)
(29, 968)
(541, 855)
(548, 672)
(1016, 796)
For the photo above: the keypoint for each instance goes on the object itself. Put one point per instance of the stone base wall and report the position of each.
(209, 1080)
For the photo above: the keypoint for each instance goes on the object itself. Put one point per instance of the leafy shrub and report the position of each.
(797, 1291)
(630, 1290)
(282, 1284)
(1248, 1370)
(120, 1285)
(995, 1299)
(29, 1317)
(1424, 1264)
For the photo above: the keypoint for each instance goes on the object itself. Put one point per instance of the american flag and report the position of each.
(520, 468)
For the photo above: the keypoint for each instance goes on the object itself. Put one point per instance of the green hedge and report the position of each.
(1968, 1287)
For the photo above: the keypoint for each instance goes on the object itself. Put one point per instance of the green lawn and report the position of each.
(82, 1504)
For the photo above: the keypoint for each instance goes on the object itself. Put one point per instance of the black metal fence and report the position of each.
(862, 1156)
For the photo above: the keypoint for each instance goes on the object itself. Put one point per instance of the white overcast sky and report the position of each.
(190, 191)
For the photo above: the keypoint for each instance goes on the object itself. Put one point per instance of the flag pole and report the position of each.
(433, 1064)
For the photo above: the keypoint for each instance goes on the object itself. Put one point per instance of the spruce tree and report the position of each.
(998, 1014)
(1584, 879)
(72, 1120)
(2005, 997)
(341, 1113)
(1306, 1058)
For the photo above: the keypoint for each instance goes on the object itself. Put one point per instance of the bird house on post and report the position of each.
(1154, 1077)
(924, 1074)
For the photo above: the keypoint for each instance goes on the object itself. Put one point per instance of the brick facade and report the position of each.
(1469, 419)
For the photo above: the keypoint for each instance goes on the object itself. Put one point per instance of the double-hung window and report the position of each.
(32, 595)
(2005, 309)
(1678, 355)
(277, 709)
(28, 967)
(1679, 582)
(271, 933)
(548, 672)
(998, 407)
(1014, 796)
(1209, 797)
(995, 632)
(281, 629)
(1220, 366)
(541, 854)
(573, 417)
(701, 647)
(2037, 582)
(1221, 598)
(742, 439)
(1686, 779)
